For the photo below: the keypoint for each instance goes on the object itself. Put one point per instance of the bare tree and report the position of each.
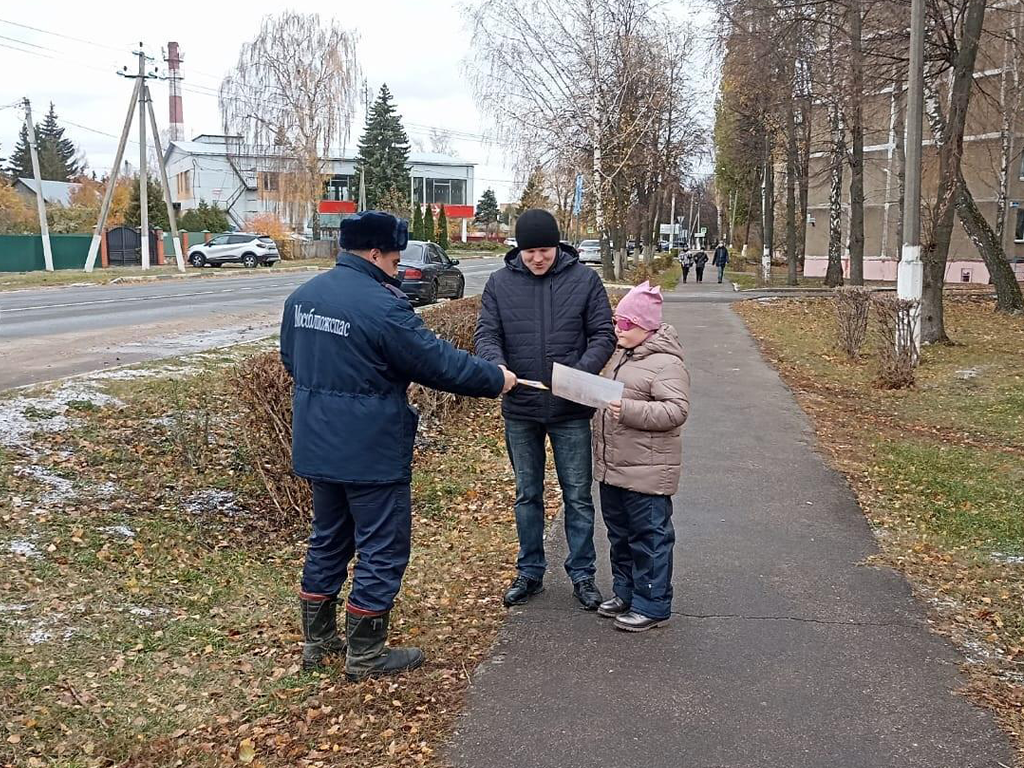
(289, 98)
(560, 78)
(441, 141)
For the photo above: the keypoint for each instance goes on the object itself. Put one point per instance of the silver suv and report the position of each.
(235, 248)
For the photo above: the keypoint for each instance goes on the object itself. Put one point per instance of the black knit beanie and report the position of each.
(536, 228)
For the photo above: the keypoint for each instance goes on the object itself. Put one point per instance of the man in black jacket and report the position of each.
(545, 307)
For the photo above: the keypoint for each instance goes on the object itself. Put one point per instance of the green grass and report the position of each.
(968, 497)
(669, 278)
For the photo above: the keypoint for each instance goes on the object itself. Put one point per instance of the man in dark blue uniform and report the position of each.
(353, 344)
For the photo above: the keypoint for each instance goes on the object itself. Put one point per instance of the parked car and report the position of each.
(428, 274)
(235, 248)
(590, 251)
(511, 242)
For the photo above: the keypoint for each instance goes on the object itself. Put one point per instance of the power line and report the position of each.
(61, 34)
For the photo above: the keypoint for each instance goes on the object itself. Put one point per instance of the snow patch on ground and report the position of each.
(1000, 557)
(212, 500)
(60, 489)
(22, 548)
(119, 530)
(13, 607)
(22, 416)
(968, 373)
(197, 341)
(134, 374)
(105, 490)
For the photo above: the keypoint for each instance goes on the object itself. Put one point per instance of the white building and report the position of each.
(205, 169)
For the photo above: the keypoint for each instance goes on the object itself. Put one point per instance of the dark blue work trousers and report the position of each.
(374, 521)
(641, 536)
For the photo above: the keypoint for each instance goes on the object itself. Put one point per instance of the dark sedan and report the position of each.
(427, 274)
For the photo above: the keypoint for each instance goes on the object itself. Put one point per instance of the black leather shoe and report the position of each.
(522, 589)
(609, 609)
(636, 622)
(587, 593)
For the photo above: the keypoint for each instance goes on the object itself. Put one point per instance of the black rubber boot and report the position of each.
(320, 630)
(368, 654)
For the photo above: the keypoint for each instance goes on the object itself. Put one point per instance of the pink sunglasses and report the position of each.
(625, 324)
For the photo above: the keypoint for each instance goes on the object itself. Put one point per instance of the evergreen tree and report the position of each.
(57, 155)
(203, 218)
(533, 192)
(19, 165)
(394, 202)
(383, 150)
(442, 229)
(154, 204)
(417, 222)
(487, 208)
(428, 224)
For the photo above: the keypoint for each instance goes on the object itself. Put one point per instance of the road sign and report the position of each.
(577, 202)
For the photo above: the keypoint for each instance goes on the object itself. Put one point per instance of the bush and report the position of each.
(478, 245)
(852, 307)
(897, 353)
(264, 391)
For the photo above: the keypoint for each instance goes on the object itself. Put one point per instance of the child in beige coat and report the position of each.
(638, 460)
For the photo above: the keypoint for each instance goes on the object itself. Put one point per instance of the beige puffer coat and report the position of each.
(643, 450)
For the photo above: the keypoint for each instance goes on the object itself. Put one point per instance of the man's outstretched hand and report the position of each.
(510, 379)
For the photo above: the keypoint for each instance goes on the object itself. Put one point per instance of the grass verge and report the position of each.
(148, 617)
(938, 469)
(15, 281)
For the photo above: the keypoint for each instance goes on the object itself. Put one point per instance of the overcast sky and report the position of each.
(416, 47)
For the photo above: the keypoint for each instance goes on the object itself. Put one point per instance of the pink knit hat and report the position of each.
(642, 305)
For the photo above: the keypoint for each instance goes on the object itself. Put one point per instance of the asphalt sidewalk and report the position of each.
(784, 649)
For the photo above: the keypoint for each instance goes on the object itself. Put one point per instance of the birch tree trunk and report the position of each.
(857, 146)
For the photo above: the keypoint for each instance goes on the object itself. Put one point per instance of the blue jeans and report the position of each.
(721, 272)
(641, 536)
(373, 520)
(570, 443)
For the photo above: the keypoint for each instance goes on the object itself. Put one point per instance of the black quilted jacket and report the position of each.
(528, 323)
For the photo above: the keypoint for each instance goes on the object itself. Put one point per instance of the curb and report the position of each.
(201, 275)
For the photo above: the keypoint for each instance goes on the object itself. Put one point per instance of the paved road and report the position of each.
(784, 651)
(55, 332)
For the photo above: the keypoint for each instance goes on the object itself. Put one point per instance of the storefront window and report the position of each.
(339, 187)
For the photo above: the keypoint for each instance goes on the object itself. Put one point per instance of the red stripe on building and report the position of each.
(337, 206)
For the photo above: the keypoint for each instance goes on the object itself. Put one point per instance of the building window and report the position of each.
(1018, 235)
(340, 187)
(184, 184)
(446, 191)
(270, 181)
(417, 189)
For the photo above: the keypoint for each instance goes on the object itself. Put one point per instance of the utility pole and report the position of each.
(140, 96)
(179, 257)
(143, 171)
(910, 274)
(44, 226)
(672, 221)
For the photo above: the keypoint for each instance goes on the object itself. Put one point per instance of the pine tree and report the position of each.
(202, 218)
(154, 204)
(428, 224)
(395, 203)
(533, 192)
(487, 210)
(57, 155)
(19, 165)
(383, 150)
(417, 222)
(442, 229)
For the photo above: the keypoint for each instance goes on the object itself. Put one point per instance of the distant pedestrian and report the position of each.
(546, 307)
(352, 344)
(721, 259)
(699, 262)
(686, 261)
(638, 459)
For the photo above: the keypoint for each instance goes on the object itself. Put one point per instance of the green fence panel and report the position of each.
(24, 253)
(70, 251)
(21, 253)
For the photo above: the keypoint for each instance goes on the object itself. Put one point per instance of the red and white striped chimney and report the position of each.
(177, 113)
